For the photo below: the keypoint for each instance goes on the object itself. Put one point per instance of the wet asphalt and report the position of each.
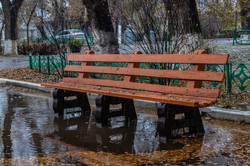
(13, 62)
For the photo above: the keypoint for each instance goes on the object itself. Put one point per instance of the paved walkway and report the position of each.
(13, 62)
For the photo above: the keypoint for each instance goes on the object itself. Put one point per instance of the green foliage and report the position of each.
(75, 45)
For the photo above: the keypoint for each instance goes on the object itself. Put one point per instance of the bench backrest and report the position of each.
(193, 77)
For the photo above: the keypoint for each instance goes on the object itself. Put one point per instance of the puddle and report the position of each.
(31, 134)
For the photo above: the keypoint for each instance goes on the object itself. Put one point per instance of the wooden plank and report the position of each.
(123, 94)
(200, 67)
(147, 87)
(116, 92)
(84, 64)
(154, 58)
(130, 78)
(156, 73)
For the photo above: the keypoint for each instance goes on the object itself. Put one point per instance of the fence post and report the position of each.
(39, 63)
(87, 41)
(30, 62)
(228, 77)
(48, 66)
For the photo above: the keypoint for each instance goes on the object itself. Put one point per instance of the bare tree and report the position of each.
(101, 25)
(26, 14)
(10, 9)
(245, 14)
(159, 26)
(185, 34)
(144, 25)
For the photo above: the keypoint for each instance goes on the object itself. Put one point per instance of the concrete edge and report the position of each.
(213, 112)
(28, 85)
(227, 114)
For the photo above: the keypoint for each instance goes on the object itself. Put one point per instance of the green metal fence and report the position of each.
(237, 74)
(237, 37)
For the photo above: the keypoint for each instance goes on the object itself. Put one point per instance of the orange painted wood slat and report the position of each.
(199, 67)
(157, 73)
(213, 93)
(116, 92)
(129, 78)
(86, 74)
(153, 58)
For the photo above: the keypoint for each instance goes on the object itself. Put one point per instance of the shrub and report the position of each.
(37, 49)
(75, 45)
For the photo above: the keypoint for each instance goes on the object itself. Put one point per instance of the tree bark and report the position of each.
(10, 10)
(245, 14)
(183, 25)
(101, 26)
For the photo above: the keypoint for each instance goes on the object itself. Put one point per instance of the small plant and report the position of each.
(75, 45)
(228, 100)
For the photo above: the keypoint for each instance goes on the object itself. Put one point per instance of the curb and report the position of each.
(213, 112)
(24, 84)
(227, 114)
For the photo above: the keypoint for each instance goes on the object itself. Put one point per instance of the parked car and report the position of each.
(69, 34)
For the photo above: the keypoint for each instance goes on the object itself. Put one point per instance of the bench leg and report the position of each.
(166, 119)
(103, 111)
(60, 103)
(196, 122)
(129, 109)
(167, 122)
(84, 102)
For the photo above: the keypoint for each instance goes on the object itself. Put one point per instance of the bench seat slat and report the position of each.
(151, 96)
(156, 73)
(210, 93)
(153, 58)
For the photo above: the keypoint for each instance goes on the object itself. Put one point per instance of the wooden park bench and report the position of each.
(128, 85)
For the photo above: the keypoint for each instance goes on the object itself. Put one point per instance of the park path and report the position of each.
(13, 62)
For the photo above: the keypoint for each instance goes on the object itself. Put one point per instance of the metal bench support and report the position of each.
(103, 111)
(167, 121)
(62, 101)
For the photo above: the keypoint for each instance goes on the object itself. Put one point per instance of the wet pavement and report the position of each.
(13, 62)
(31, 134)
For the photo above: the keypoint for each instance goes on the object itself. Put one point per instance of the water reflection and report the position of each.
(29, 127)
(24, 121)
(119, 137)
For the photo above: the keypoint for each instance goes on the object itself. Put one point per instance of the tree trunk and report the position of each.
(10, 10)
(245, 15)
(28, 35)
(40, 25)
(101, 25)
(183, 26)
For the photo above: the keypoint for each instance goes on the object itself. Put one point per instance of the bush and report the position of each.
(75, 45)
(37, 49)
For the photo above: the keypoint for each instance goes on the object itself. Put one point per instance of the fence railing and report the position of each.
(237, 74)
(241, 37)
